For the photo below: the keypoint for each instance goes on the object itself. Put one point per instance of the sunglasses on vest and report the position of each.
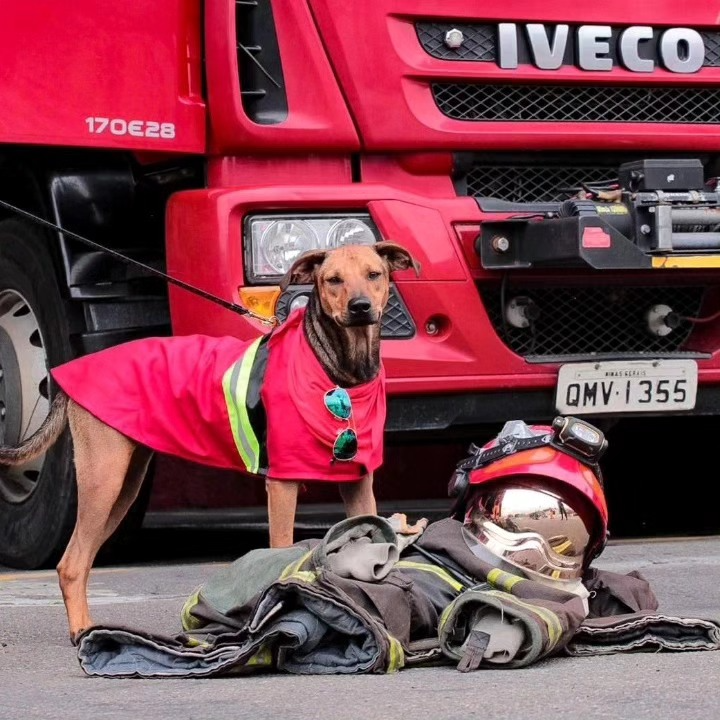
(338, 403)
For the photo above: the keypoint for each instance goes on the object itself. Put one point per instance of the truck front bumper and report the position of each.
(466, 356)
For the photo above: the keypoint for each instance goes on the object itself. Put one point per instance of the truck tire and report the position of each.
(37, 500)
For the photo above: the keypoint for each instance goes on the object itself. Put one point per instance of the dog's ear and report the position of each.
(302, 271)
(397, 257)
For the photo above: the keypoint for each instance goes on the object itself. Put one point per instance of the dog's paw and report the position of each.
(75, 637)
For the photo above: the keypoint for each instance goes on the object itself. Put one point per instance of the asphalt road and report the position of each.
(42, 679)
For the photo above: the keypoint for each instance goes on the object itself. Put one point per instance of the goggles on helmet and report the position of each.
(532, 529)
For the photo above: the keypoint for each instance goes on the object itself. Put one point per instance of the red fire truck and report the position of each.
(551, 165)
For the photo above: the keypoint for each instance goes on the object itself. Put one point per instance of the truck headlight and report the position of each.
(276, 241)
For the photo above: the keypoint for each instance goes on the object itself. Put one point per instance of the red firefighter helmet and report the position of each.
(533, 496)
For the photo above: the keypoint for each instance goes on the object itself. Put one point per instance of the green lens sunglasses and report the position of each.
(338, 403)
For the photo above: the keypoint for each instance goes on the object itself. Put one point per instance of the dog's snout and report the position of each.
(359, 306)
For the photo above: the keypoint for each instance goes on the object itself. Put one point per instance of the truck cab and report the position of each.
(553, 168)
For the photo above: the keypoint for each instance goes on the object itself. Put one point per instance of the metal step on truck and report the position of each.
(552, 165)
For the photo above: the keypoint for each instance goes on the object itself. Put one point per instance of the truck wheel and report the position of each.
(38, 499)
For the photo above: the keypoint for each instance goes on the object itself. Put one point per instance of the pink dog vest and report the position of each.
(253, 406)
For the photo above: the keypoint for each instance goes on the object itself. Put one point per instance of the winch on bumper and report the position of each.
(661, 215)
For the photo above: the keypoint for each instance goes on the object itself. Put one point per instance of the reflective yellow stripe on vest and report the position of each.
(503, 580)
(294, 567)
(434, 569)
(235, 386)
(396, 661)
(189, 621)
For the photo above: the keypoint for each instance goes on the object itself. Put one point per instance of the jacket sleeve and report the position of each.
(487, 627)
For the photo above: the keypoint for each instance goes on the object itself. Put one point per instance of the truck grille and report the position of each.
(545, 177)
(528, 183)
(480, 42)
(587, 320)
(578, 103)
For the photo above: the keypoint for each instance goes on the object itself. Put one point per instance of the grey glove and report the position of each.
(406, 534)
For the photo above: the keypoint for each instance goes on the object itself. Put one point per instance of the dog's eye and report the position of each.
(374, 275)
(334, 280)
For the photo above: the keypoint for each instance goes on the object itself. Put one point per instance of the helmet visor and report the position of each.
(533, 529)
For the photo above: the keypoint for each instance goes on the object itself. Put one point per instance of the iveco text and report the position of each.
(679, 50)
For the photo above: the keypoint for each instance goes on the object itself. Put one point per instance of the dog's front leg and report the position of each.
(282, 504)
(359, 497)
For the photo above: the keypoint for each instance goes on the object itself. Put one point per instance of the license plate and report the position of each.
(632, 386)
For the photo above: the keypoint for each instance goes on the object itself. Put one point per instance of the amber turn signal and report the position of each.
(260, 300)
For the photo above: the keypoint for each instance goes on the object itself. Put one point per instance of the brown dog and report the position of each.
(341, 326)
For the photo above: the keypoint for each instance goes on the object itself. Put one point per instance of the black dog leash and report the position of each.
(147, 268)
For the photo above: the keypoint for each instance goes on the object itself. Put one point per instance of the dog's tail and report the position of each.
(43, 438)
